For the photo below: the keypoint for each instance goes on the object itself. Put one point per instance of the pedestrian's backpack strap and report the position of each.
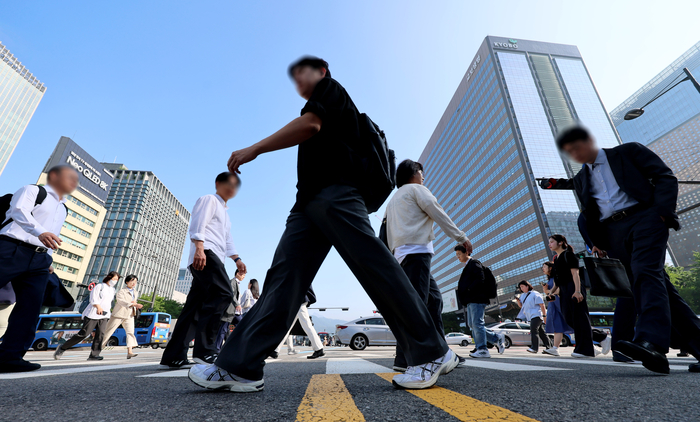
(5, 201)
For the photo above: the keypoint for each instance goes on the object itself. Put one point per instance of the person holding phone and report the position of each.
(534, 312)
(95, 317)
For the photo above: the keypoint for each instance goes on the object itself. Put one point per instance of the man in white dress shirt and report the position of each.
(29, 234)
(211, 293)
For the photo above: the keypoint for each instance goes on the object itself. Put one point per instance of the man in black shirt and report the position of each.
(329, 212)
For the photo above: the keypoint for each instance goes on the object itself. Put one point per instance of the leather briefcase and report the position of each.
(608, 277)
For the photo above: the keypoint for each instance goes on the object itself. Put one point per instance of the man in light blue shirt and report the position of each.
(605, 190)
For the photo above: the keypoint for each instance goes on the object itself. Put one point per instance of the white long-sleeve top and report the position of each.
(102, 295)
(247, 301)
(211, 224)
(28, 221)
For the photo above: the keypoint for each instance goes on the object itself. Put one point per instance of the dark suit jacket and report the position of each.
(470, 288)
(641, 174)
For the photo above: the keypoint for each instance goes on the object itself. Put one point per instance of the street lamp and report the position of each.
(636, 112)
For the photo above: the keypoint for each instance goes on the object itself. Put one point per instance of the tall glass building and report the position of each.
(495, 138)
(184, 281)
(144, 232)
(20, 93)
(670, 126)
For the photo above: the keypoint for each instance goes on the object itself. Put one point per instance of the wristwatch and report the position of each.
(237, 259)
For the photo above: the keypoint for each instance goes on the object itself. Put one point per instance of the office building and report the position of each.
(20, 94)
(143, 234)
(86, 211)
(184, 281)
(670, 126)
(495, 138)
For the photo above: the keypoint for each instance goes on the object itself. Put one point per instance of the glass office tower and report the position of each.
(495, 138)
(143, 233)
(20, 93)
(670, 126)
(184, 281)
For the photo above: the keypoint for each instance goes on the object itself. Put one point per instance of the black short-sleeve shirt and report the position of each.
(326, 158)
(563, 264)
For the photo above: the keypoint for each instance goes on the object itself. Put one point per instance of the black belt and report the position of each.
(621, 215)
(35, 248)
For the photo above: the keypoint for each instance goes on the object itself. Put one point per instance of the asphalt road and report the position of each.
(353, 386)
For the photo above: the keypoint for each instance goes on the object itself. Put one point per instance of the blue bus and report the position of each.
(151, 329)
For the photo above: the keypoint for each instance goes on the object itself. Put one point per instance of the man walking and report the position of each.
(308, 327)
(329, 212)
(30, 233)
(472, 292)
(210, 294)
(628, 198)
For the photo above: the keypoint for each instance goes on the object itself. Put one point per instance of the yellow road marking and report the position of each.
(462, 407)
(327, 399)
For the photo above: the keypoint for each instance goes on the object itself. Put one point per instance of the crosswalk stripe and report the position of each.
(463, 407)
(166, 374)
(327, 399)
(353, 366)
(41, 373)
(592, 361)
(488, 364)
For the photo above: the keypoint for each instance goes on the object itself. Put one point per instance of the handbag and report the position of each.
(608, 277)
(382, 234)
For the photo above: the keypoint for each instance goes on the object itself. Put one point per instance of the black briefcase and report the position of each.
(608, 277)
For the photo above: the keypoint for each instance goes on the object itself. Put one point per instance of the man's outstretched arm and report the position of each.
(293, 133)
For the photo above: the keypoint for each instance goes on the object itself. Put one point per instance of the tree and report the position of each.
(168, 306)
(688, 282)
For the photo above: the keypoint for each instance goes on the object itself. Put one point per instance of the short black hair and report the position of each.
(406, 170)
(223, 177)
(130, 277)
(571, 135)
(58, 169)
(311, 61)
(460, 248)
(526, 283)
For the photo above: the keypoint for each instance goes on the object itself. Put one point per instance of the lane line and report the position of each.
(41, 373)
(499, 366)
(353, 366)
(166, 374)
(592, 361)
(464, 407)
(327, 399)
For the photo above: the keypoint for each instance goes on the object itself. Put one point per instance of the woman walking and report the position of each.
(556, 323)
(573, 300)
(250, 296)
(95, 317)
(533, 311)
(124, 314)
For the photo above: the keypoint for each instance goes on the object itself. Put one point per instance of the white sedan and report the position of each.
(458, 338)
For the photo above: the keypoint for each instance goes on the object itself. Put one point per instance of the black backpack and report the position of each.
(5, 205)
(490, 286)
(377, 165)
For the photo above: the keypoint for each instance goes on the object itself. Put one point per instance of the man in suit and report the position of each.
(628, 198)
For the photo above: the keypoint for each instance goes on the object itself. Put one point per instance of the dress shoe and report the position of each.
(274, 355)
(694, 367)
(645, 352)
(317, 354)
(131, 355)
(91, 357)
(619, 357)
(19, 365)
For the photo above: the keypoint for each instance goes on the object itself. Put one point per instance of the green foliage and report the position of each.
(688, 282)
(168, 306)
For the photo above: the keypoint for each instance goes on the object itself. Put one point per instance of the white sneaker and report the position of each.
(531, 350)
(214, 378)
(426, 375)
(552, 351)
(597, 351)
(292, 352)
(501, 345)
(399, 368)
(580, 356)
(481, 353)
(606, 345)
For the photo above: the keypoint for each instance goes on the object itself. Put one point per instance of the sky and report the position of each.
(175, 86)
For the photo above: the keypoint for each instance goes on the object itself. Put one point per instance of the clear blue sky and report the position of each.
(175, 86)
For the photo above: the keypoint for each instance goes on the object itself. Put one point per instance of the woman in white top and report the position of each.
(250, 296)
(124, 313)
(95, 317)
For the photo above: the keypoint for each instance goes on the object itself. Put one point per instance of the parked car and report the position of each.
(363, 332)
(602, 320)
(517, 333)
(458, 338)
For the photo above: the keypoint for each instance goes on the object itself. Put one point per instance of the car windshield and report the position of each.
(493, 324)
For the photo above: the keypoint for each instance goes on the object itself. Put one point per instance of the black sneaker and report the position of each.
(91, 357)
(19, 365)
(177, 364)
(473, 351)
(274, 355)
(317, 354)
(206, 360)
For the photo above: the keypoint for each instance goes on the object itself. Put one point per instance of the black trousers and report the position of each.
(577, 316)
(200, 319)
(417, 269)
(639, 242)
(336, 217)
(98, 325)
(537, 332)
(28, 271)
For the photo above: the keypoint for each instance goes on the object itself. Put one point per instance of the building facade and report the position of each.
(495, 138)
(20, 94)
(143, 233)
(670, 126)
(184, 281)
(86, 211)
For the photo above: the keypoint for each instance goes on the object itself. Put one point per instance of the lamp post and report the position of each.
(636, 112)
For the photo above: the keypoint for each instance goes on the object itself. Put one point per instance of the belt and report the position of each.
(35, 248)
(621, 215)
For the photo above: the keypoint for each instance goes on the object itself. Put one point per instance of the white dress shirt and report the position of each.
(28, 221)
(402, 251)
(605, 190)
(210, 223)
(102, 295)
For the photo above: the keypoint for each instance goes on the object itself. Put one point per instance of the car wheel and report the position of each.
(40, 345)
(565, 342)
(155, 346)
(465, 343)
(358, 342)
(113, 341)
(508, 343)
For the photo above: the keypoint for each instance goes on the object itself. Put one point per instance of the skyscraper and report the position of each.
(495, 138)
(184, 281)
(670, 126)
(143, 234)
(20, 93)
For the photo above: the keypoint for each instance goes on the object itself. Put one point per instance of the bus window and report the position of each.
(144, 321)
(163, 318)
(74, 322)
(47, 323)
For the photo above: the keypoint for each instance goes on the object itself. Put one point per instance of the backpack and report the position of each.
(377, 165)
(490, 287)
(5, 205)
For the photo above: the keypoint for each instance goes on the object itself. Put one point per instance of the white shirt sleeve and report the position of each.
(21, 208)
(202, 214)
(230, 247)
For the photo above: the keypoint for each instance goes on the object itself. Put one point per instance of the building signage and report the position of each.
(86, 169)
(449, 301)
(472, 68)
(510, 44)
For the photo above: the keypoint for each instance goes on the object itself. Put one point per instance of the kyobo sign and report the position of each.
(510, 44)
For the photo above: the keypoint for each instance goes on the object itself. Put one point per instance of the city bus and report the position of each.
(151, 329)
